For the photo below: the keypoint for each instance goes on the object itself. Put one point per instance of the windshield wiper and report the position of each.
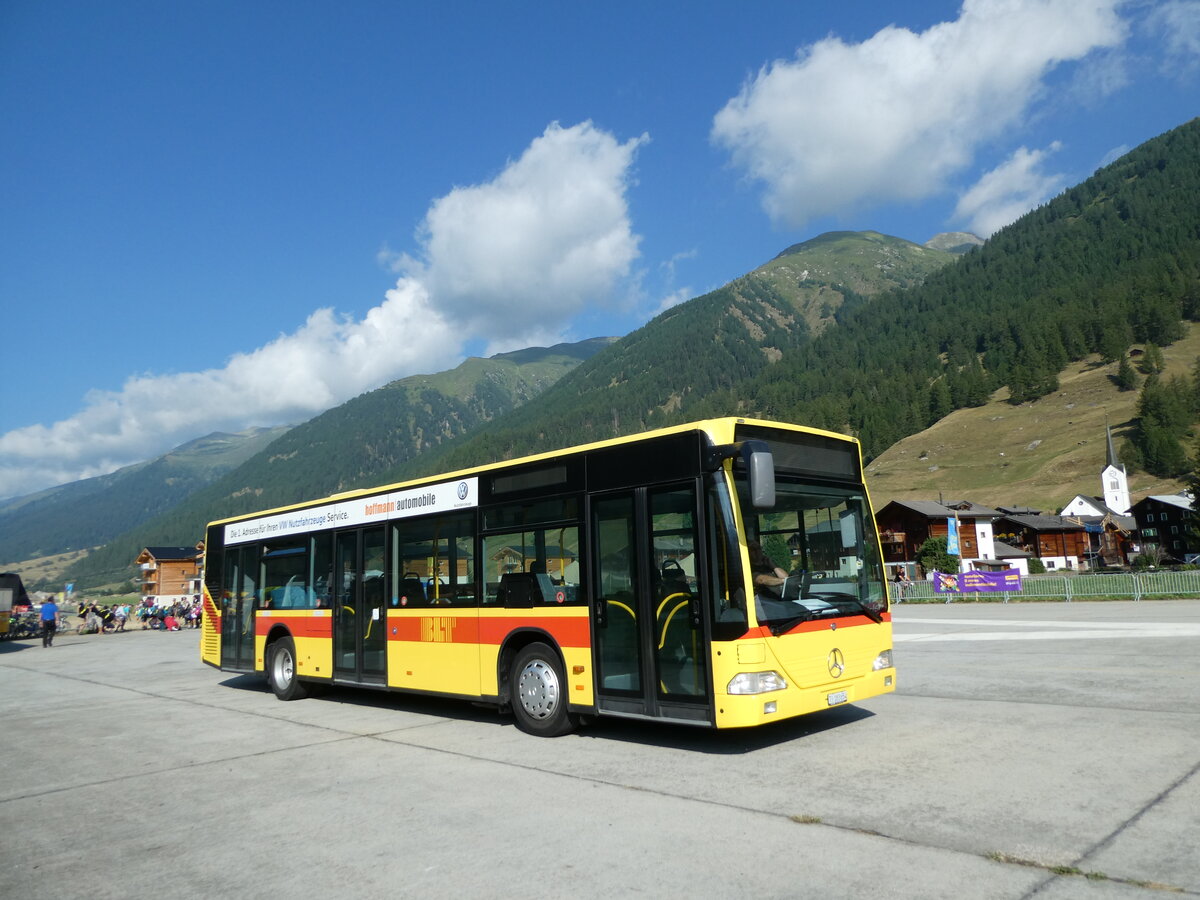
(842, 598)
(869, 611)
(778, 628)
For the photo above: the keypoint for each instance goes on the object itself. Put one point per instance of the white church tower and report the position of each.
(1115, 481)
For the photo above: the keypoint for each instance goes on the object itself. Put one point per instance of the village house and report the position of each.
(1060, 542)
(1163, 523)
(170, 574)
(904, 525)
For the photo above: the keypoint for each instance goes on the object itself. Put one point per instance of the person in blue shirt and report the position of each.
(49, 622)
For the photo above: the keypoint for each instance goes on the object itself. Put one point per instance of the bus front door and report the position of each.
(651, 657)
(239, 597)
(359, 612)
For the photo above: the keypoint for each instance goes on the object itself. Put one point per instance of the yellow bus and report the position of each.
(724, 573)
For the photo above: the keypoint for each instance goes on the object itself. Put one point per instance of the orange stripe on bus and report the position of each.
(816, 625)
(571, 631)
(299, 626)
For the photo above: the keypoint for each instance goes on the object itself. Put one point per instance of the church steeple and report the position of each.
(1114, 481)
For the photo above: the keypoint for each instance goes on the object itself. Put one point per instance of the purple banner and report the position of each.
(977, 582)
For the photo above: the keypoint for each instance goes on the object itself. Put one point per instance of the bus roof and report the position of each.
(720, 430)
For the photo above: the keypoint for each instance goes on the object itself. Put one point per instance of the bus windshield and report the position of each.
(814, 555)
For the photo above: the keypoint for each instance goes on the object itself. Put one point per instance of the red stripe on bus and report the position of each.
(568, 632)
(449, 629)
(299, 626)
(816, 625)
(210, 609)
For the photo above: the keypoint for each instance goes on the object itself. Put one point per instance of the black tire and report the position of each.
(537, 691)
(281, 670)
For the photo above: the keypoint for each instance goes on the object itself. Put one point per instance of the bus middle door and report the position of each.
(359, 606)
(651, 655)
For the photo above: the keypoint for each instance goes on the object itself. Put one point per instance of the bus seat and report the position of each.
(412, 590)
(526, 589)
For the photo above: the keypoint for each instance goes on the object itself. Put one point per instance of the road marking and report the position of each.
(1067, 631)
(1035, 623)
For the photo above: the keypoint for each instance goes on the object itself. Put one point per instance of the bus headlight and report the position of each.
(883, 660)
(756, 683)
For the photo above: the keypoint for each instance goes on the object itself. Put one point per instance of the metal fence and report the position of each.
(1115, 586)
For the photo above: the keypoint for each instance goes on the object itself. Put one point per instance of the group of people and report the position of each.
(174, 617)
(97, 619)
(100, 619)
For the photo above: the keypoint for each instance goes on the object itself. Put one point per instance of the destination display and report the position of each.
(431, 498)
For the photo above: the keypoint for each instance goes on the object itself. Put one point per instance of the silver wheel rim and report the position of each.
(537, 688)
(284, 668)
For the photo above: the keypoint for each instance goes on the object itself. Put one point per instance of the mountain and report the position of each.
(956, 242)
(818, 275)
(1112, 261)
(350, 445)
(698, 354)
(93, 511)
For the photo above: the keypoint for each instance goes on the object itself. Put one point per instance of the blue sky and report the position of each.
(218, 215)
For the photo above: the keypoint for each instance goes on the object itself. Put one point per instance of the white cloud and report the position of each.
(674, 298)
(509, 262)
(517, 258)
(1009, 191)
(1113, 155)
(896, 117)
(324, 362)
(1178, 22)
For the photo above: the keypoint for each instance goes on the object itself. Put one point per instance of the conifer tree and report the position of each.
(1152, 359)
(1126, 378)
(940, 404)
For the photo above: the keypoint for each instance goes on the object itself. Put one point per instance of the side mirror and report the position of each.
(760, 465)
(760, 468)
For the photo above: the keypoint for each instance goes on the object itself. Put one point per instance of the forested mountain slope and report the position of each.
(1112, 261)
(667, 370)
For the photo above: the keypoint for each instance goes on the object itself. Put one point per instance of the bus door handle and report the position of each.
(694, 609)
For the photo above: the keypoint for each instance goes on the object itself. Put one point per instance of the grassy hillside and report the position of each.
(818, 275)
(1038, 454)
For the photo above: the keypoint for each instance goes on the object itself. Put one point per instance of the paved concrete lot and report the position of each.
(1029, 746)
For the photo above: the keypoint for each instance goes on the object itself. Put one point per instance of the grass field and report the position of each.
(1038, 454)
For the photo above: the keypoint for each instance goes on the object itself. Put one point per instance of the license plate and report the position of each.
(835, 699)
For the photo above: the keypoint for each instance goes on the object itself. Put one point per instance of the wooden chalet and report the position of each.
(170, 574)
(904, 525)
(1060, 542)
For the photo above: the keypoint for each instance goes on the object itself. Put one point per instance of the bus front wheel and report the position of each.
(538, 692)
(281, 670)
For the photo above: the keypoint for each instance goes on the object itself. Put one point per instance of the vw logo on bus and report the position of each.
(462, 490)
(837, 663)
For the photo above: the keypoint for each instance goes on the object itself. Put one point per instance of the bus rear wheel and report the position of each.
(281, 670)
(538, 692)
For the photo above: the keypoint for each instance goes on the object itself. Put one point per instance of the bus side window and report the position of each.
(433, 562)
(535, 567)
